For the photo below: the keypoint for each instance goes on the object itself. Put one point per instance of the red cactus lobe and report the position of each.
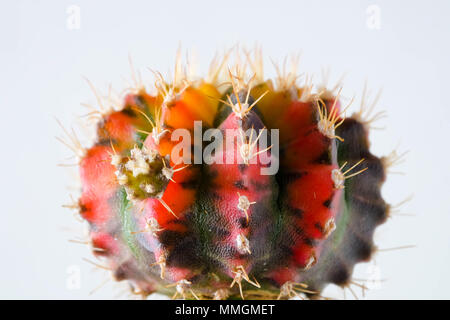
(99, 185)
(118, 126)
(202, 106)
(95, 209)
(239, 188)
(178, 115)
(104, 244)
(96, 171)
(297, 116)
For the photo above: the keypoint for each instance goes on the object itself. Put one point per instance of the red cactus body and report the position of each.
(225, 229)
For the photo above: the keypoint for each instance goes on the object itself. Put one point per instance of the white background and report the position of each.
(42, 63)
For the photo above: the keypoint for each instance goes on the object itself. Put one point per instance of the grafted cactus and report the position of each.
(275, 194)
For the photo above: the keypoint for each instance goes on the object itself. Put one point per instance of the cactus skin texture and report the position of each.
(225, 231)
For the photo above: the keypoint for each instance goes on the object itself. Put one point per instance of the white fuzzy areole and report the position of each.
(338, 178)
(243, 203)
(242, 243)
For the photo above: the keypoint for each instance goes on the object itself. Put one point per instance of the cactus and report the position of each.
(226, 230)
